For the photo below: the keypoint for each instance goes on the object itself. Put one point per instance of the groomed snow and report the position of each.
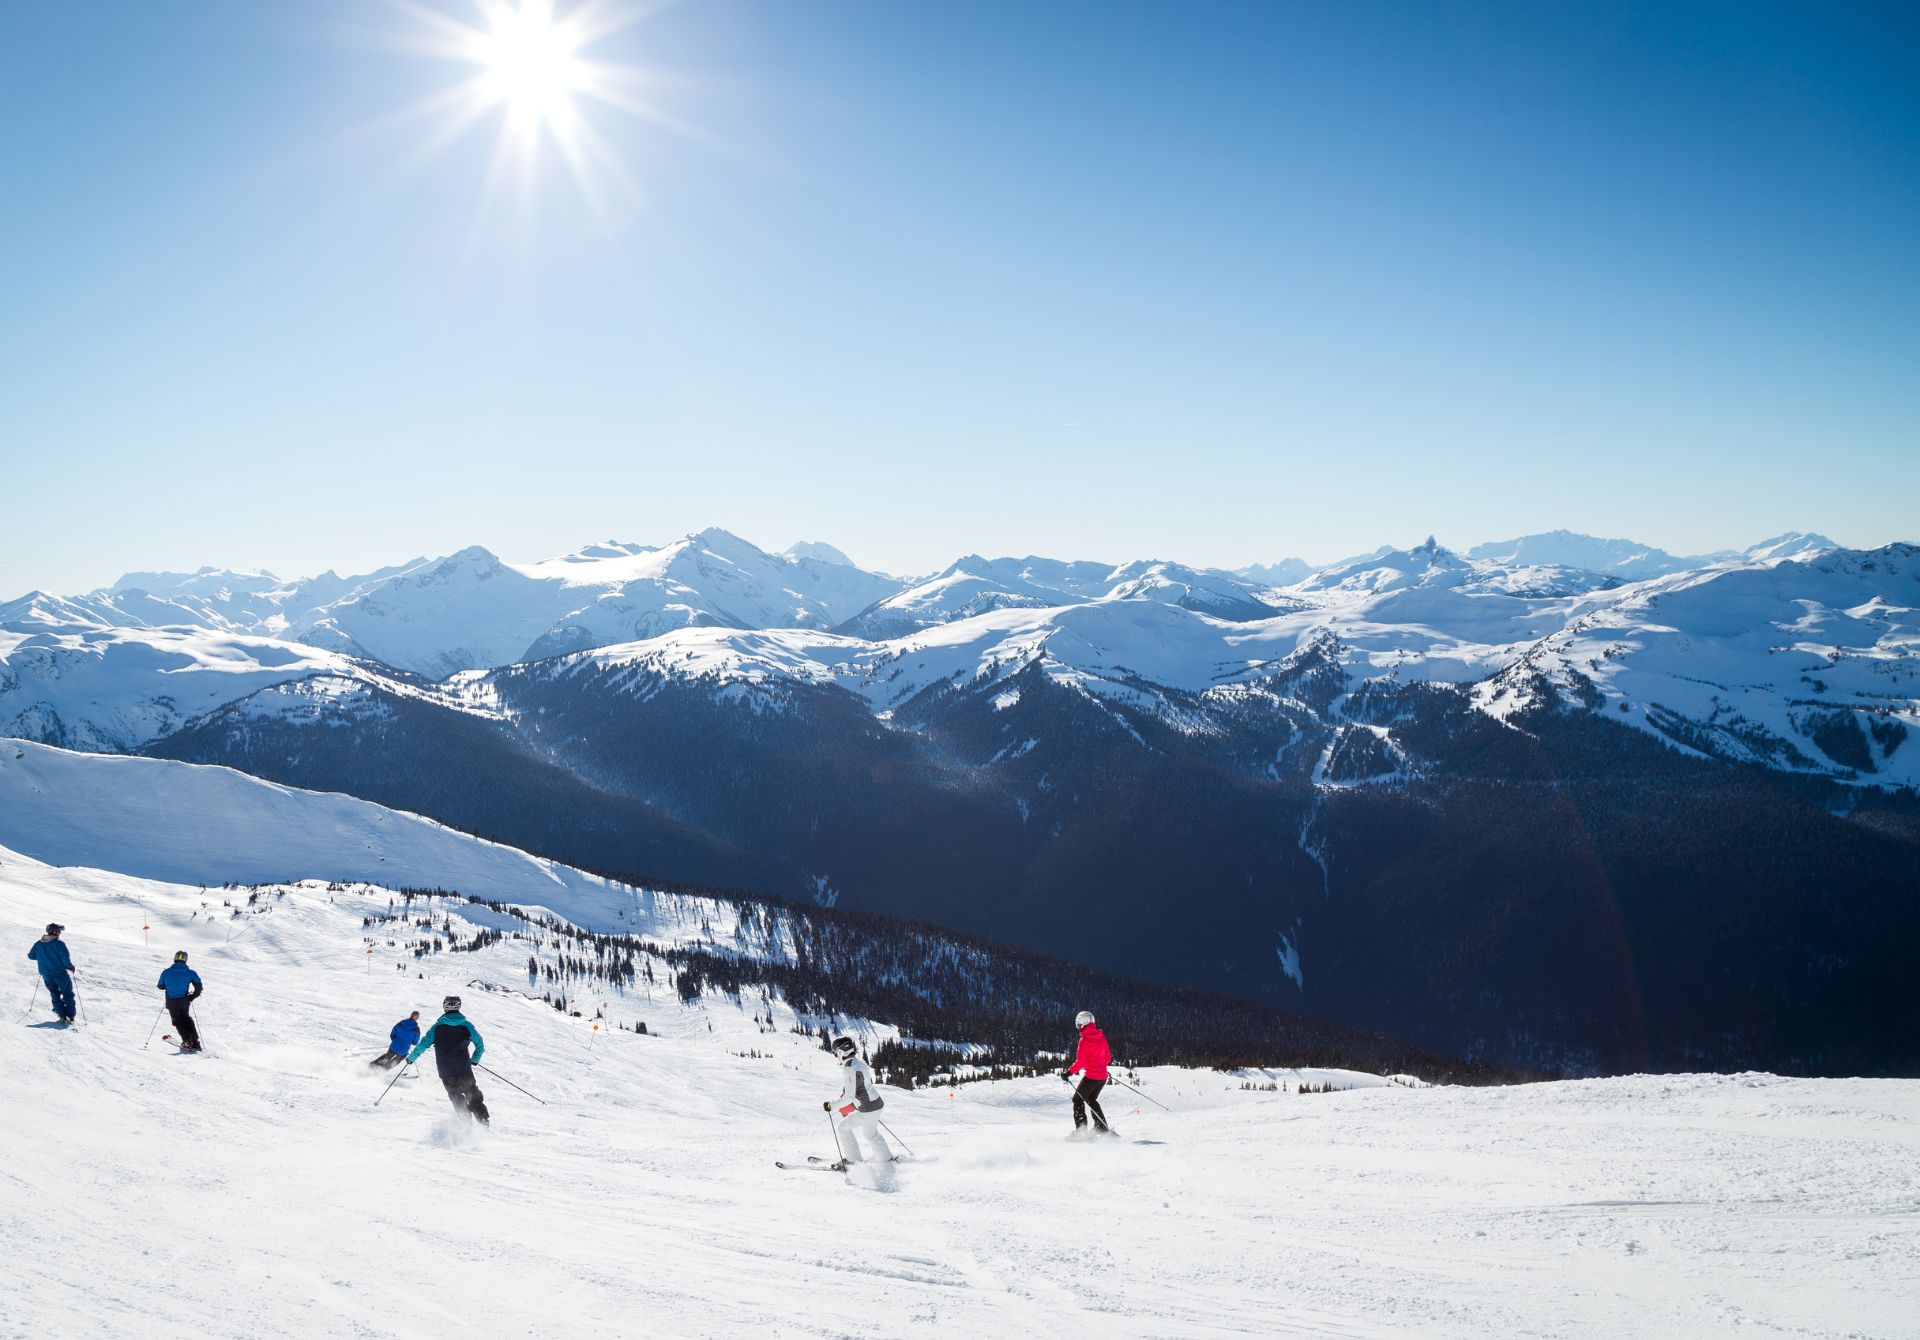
(258, 1191)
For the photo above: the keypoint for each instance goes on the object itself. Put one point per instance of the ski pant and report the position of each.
(464, 1093)
(858, 1126)
(387, 1060)
(60, 990)
(178, 1010)
(1085, 1095)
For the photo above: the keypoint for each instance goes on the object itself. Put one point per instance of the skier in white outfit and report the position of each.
(858, 1106)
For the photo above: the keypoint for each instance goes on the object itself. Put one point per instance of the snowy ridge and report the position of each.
(185, 823)
(1807, 664)
(974, 585)
(94, 687)
(471, 609)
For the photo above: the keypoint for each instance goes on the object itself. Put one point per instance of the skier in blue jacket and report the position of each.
(399, 1042)
(51, 956)
(450, 1037)
(183, 987)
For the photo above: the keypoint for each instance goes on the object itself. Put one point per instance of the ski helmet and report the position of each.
(451, 1004)
(54, 928)
(1082, 1019)
(844, 1047)
(179, 956)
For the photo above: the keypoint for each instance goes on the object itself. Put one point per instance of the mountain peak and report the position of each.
(819, 549)
(1793, 544)
(474, 555)
(726, 544)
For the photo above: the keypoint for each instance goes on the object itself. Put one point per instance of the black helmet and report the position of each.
(844, 1047)
(451, 1004)
(179, 956)
(54, 928)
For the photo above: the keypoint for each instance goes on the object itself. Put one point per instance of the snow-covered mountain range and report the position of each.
(1415, 767)
(1792, 653)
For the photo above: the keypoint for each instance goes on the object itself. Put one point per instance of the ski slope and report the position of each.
(205, 825)
(259, 1191)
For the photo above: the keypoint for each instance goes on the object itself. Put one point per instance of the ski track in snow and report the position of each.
(257, 1191)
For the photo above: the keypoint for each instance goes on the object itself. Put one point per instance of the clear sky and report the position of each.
(1214, 282)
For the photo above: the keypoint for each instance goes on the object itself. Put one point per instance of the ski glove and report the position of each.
(826, 1107)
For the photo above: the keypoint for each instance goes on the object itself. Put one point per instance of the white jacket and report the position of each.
(860, 1092)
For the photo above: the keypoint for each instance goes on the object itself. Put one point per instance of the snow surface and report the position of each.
(258, 1191)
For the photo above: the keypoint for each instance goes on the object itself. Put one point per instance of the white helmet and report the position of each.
(1082, 1019)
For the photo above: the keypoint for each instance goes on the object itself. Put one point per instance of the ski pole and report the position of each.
(30, 999)
(903, 1144)
(390, 1083)
(1155, 1101)
(836, 1138)
(509, 1083)
(155, 1029)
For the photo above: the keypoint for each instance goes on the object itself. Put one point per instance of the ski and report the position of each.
(183, 1051)
(812, 1165)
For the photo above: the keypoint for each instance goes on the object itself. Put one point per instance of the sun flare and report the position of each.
(528, 62)
(541, 72)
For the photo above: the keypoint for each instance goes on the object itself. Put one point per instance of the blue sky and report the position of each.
(1213, 282)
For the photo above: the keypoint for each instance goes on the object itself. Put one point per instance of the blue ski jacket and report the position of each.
(449, 1049)
(51, 953)
(404, 1035)
(179, 980)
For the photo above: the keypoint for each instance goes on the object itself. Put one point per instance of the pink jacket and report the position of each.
(1093, 1055)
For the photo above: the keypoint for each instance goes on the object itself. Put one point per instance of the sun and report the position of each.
(528, 62)
(539, 70)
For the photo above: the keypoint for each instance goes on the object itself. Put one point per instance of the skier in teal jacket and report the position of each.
(450, 1037)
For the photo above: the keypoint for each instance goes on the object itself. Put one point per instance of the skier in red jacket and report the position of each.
(1091, 1063)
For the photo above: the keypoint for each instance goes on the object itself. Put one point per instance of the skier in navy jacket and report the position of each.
(449, 1037)
(55, 961)
(183, 986)
(399, 1042)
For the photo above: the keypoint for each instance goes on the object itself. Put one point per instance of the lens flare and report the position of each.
(528, 63)
(530, 68)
